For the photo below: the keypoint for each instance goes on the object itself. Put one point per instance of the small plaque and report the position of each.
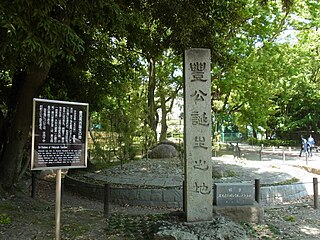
(233, 194)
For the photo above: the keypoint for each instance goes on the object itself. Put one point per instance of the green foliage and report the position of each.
(5, 218)
(35, 31)
(274, 84)
(246, 86)
(285, 182)
(231, 173)
(98, 53)
(290, 218)
(273, 142)
(216, 146)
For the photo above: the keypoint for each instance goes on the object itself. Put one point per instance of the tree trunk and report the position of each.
(164, 125)
(254, 133)
(20, 126)
(3, 133)
(152, 114)
(164, 112)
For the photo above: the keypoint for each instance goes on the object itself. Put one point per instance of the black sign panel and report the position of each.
(59, 134)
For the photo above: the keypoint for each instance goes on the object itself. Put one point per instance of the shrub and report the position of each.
(273, 142)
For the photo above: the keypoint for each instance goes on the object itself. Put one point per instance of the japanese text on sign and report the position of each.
(59, 134)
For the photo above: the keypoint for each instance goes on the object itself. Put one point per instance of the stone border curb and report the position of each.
(160, 197)
(173, 197)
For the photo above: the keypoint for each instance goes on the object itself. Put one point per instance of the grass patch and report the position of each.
(290, 218)
(74, 229)
(262, 231)
(311, 170)
(274, 166)
(274, 229)
(5, 219)
(250, 229)
(231, 173)
(134, 227)
(7, 207)
(285, 182)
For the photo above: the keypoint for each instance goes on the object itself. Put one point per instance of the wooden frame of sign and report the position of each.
(59, 134)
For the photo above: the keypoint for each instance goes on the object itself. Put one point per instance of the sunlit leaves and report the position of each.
(275, 82)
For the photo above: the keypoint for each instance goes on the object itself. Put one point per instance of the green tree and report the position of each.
(274, 83)
(244, 89)
(38, 39)
(179, 25)
(34, 36)
(169, 84)
(298, 102)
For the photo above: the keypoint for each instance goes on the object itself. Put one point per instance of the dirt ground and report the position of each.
(23, 217)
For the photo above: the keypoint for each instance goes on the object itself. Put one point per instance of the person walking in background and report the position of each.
(310, 145)
(303, 145)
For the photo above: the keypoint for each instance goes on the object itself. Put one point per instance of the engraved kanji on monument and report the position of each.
(197, 135)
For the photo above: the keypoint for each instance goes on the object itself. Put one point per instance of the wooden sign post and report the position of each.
(58, 203)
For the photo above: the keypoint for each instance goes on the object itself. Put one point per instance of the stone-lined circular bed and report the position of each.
(158, 182)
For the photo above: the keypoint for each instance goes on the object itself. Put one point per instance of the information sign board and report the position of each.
(59, 134)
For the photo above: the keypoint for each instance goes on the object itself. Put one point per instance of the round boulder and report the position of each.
(163, 151)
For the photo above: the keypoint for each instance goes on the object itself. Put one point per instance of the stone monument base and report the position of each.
(253, 213)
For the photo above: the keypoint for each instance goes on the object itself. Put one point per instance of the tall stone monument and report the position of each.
(198, 193)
